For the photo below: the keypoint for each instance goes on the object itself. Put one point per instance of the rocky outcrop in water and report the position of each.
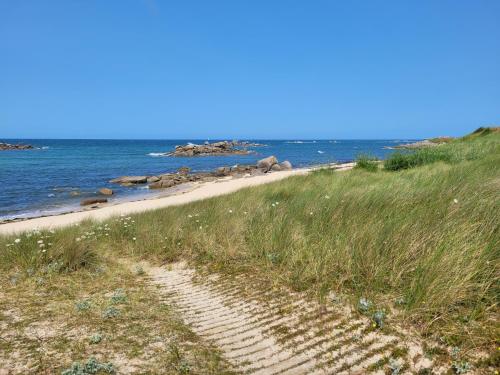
(130, 180)
(92, 201)
(183, 175)
(8, 146)
(212, 149)
(106, 191)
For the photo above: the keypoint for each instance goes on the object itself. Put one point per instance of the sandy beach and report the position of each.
(201, 191)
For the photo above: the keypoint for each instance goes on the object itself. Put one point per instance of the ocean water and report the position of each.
(40, 182)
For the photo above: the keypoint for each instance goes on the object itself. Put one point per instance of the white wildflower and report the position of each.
(455, 200)
(134, 239)
(190, 216)
(327, 197)
(17, 240)
(78, 239)
(39, 241)
(41, 245)
(230, 211)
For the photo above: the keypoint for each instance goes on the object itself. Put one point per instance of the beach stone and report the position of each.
(286, 165)
(106, 191)
(276, 168)
(130, 180)
(167, 176)
(152, 179)
(184, 170)
(90, 201)
(162, 184)
(266, 163)
(222, 171)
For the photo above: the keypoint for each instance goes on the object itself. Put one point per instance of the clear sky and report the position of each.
(248, 68)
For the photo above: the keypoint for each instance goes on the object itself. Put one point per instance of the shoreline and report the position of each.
(197, 192)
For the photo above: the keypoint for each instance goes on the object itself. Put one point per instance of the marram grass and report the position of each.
(426, 236)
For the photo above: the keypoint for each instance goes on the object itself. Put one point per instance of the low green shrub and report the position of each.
(367, 162)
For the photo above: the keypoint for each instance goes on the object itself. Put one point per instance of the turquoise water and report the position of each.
(39, 182)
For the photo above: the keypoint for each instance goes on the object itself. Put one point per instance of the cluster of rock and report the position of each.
(217, 148)
(423, 144)
(8, 146)
(183, 175)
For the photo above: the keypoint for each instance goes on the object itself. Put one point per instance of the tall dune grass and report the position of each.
(427, 236)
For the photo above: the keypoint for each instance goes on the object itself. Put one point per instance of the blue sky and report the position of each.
(248, 68)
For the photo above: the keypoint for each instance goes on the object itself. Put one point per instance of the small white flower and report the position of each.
(327, 197)
(190, 216)
(17, 240)
(455, 200)
(201, 227)
(41, 245)
(77, 239)
(50, 243)
(244, 212)
(230, 211)
(311, 213)
(272, 204)
(39, 241)
(277, 203)
(43, 251)
(134, 239)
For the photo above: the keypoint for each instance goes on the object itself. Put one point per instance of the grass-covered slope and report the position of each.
(426, 235)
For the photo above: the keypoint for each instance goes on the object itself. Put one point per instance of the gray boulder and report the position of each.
(266, 163)
(130, 180)
(88, 202)
(285, 165)
(106, 191)
(152, 179)
(222, 171)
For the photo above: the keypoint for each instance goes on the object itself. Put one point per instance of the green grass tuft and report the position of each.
(367, 162)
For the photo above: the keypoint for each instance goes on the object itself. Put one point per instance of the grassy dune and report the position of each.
(417, 235)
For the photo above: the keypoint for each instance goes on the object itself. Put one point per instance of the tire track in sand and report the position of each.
(269, 333)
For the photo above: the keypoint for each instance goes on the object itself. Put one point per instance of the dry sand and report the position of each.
(202, 191)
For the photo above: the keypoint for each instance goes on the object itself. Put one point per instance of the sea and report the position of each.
(55, 176)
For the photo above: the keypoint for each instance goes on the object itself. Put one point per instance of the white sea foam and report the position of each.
(300, 142)
(156, 154)
(321, 152)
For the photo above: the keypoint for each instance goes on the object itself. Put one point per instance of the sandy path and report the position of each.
(204, 191)
(263, 332)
